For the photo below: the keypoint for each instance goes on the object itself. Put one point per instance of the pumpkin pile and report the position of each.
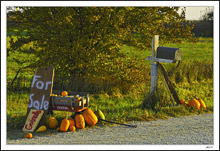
(79, 121)
(197, 103)
(71, 123)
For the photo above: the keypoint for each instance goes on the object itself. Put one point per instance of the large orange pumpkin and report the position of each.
(79, 121)
(202, 104)
(64, 125)
(90, 117)
(194, 103)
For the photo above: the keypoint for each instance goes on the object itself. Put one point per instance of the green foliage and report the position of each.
(84, 43)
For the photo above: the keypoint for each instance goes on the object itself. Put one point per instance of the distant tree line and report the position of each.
(202, 28)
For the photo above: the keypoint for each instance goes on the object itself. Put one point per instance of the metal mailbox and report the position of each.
(169, 53)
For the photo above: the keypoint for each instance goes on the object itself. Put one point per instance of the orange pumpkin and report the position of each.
(194, 103)
(72, 128)
(50, 118)
(53, 123)
(64, 93)
(90, 117)
(202, 104)
(183, 102)
(28, 135)
(72, 122)
(64, 125)
(79, 121)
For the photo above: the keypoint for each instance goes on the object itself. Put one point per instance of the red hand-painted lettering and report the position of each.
(33, 119)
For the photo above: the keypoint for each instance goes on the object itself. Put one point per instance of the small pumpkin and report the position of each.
(52, 123)
(64, 125)
(64, 93)
(202, 103)
(195, 103)
(79, 121)
(51, 117)
(28, 135)
(183, 102)
(72, 128)
(58, 129)
(90, 117)
(41, 128)
(48, 120)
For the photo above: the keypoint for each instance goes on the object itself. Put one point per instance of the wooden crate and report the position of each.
(69, 103)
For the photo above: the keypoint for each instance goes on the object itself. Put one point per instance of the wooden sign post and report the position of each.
(39, 98)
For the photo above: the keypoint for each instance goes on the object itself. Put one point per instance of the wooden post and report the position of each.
(154, 66)
(155, 63)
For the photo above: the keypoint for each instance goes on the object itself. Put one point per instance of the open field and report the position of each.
(194, 77)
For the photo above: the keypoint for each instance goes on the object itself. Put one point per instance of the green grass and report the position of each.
(201, 51)
(194, 77)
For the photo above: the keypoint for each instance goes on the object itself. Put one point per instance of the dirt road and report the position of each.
(197, 129)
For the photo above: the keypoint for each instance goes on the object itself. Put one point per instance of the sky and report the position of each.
(194, 13)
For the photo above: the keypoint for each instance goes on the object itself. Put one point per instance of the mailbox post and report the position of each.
(162, 54)
(154, 66)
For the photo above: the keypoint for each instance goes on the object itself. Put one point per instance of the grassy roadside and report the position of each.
(120, 109)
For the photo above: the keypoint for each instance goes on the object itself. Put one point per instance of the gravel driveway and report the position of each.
(197, 129)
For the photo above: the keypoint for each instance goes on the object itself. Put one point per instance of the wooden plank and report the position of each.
(62, 103)
(170, 85)
(41, 89)
(155, 44)
(33, 119)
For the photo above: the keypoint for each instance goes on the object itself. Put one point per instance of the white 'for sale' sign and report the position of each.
(39, 97)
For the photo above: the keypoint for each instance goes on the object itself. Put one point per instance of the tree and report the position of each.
(86, 42)
(207, 15)
(204, 27)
